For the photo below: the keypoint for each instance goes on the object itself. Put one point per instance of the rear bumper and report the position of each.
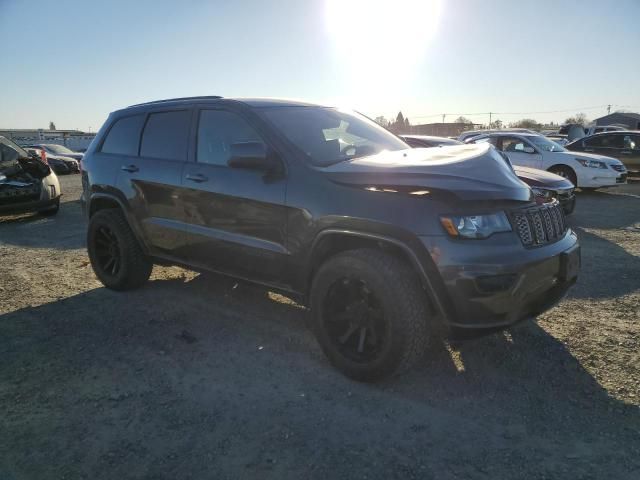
(496, 282)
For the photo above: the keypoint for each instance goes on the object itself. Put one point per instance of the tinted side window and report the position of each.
(124, 135)
(166, 135)
(217, 131)
(632, 142)
(605, 141)
(512, 144)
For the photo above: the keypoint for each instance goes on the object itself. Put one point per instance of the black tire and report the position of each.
(115, 254)
(51, 211)
(566, 172)
(385, 299)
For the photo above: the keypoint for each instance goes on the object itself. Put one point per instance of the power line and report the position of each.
(542, 112)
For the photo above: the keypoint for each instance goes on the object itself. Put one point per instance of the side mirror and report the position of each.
(251, 156)
(529, 150)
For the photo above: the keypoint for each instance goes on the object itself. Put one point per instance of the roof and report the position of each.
(624, 114)
(510, 134)
(252, 102)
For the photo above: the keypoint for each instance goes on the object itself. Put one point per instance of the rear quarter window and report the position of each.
(166, 135)
(123, 136)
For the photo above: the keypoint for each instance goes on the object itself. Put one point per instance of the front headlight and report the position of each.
(591, 163)
(475, 226)
(543, 194)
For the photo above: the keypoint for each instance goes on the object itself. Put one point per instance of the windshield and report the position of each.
(329, 136)
(21, 152)
(59, 149)
(546, 145)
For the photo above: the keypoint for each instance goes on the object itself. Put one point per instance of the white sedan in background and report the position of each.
(584, 170)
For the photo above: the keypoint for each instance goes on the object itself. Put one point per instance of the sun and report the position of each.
(380, 37)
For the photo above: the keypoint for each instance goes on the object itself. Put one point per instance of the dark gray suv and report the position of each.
(382, 241)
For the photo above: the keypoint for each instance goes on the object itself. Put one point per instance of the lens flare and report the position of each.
(378, 42)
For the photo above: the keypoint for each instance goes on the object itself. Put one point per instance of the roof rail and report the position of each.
(209, 97)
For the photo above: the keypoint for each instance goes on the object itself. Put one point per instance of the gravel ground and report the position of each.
(195, 376)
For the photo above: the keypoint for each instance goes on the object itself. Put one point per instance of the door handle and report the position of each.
(129, 168)
(198, 177)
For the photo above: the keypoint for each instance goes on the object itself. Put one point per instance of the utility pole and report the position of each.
(608, 109)
(489, 119)
(443, 115)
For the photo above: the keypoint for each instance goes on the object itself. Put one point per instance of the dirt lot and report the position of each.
(194, 376)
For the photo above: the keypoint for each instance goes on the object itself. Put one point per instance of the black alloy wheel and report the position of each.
(354, 320)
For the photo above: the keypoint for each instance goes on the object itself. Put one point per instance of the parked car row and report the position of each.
(545, 185)
(584, 170)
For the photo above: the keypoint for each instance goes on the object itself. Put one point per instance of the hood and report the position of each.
(541, 178)
(591, 156)
(471, 172)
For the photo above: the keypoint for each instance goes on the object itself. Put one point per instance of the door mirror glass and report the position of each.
(528, 150)
(250, 155)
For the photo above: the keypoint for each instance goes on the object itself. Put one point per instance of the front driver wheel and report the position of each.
(115, 254)
(369, 314)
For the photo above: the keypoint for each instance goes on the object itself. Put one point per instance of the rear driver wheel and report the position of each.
(116, 256)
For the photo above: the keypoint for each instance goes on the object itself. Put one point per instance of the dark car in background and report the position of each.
(60, 165)
(623, 145)
(58, 150)
(382, 241)
(545, 185)
(26, 183)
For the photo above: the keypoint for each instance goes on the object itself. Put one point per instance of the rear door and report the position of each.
(151, 180)
(516, 149)
(237, 217)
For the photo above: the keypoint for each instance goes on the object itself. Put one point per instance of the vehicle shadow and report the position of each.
(594, 210)
(183, 366)
(615, 268)
(64, 231)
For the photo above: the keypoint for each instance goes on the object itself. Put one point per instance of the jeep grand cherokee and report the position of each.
(380, 240)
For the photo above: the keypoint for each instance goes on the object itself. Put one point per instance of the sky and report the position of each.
(72, 62)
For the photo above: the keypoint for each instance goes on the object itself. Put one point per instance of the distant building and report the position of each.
(629, 120)
(73, 139)
(441, 129)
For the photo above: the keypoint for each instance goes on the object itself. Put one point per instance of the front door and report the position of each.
(520, 152)
(237, 217)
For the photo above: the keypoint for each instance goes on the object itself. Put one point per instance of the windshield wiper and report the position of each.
(334, 162)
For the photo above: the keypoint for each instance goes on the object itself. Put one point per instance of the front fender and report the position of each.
(415, 253)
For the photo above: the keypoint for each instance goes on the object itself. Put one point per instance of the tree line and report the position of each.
(401, 123)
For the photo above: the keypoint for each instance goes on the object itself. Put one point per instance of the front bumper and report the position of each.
(599, 178)
(497, 282)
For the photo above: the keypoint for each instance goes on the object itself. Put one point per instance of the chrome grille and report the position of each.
(539, 225)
